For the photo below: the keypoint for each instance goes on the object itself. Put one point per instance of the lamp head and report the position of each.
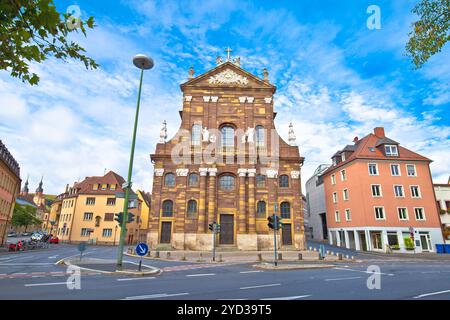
(142, 61)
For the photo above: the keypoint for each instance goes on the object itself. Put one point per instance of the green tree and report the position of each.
(32, 31)
(24, 216)
(430, 32)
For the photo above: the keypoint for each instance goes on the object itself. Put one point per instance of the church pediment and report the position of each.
(228, 75)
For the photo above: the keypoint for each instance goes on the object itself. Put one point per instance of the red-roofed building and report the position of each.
(378, 194)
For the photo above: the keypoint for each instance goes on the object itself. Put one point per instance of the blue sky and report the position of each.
(336, 79)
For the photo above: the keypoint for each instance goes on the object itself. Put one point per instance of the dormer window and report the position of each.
(391, 150)
(343, 157)
(334, 161)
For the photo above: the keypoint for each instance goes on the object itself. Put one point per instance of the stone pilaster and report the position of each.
(241, 217)
(201, 227)
(211, 195)
(251, 201)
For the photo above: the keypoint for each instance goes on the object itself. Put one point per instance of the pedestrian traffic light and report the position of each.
(130, 217)
(217, 228)
(211, 226)
(119, 218)
(279, 222)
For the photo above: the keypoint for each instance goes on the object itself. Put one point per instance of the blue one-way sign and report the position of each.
(141, 249)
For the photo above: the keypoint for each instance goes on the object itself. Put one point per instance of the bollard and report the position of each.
(168, 255)
(347, 256)
(183, 257)
(259, 257)
(310, 248)
(315, 249)
(157, 254)
(280, 256)
(328, 251)
(339, 256)
(353, 258)
(300, 256)
(220, 258)
(149, 253)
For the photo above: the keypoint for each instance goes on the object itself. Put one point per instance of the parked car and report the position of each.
(54, 240)
(26, 234)
(37, 236)
(12, 234)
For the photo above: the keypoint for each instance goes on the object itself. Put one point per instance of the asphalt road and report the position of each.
(34, 275)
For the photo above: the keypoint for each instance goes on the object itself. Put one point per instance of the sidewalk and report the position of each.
(237, 256)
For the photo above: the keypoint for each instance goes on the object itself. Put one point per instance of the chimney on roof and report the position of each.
(379, 132)
(355, 139)
(67, 187)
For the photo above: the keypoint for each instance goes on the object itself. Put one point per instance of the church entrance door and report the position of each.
(226, 235)
(166, 229)
(286, 234)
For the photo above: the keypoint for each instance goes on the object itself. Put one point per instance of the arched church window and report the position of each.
(226, 182)
(196, 134)
(169, 180)
(167, 208)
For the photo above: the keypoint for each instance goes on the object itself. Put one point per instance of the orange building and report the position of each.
(379, 196)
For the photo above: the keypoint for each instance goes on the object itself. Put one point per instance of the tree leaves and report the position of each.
(32, 31)
(24, 215)
(431, 32)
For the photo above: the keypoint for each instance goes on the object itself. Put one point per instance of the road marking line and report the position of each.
(431, 294)
(348, 269)
(200, 275)
(261, 286)
(348, 278)
(44, 284)
(254, 271)
(155, 296)
(131, 279)
(431, 272)
(287, 298)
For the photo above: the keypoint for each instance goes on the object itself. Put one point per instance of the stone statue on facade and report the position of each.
(292, 137)
(163, 132)
(205, 134)
(250, 134)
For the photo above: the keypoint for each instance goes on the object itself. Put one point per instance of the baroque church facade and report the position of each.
(226, 164)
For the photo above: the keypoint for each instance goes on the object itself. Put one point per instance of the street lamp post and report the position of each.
(115, 231)
(142, 62)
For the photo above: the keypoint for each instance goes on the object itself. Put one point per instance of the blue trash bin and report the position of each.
(440, 248)
(447, 248)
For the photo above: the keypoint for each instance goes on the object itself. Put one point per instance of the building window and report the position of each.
(169, 180)
(261, 209)
(337, 218)
(196, 135)
(335, 198)
(345, 194)
(376, 190)
(348, 215)
(88, 216)
(107, 233)
(192, 208)
(259, 136)
(226, 182)
(113, 187)
(227, 138)
(167, 208)
(104, 186)
(398, 191)
(392, 238)
(284, 181)
(95, 186)
(285, 210)
(193, 180)
(84, 232)
(415, 192)
(373, 169)
(402, 213)
(333, 179)
(343, 175)
(411, 170)
(90, 201)
(391, 150)
(395, 170)
(343, 157)
(111, 201)
(109, 217)
(419, 213)
(379, 213)
(260, 181)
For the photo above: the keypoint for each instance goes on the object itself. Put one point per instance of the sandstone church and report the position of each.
(226, 164)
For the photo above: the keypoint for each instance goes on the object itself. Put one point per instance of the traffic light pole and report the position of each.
(128, 183)
(214, 244)
(275, 240)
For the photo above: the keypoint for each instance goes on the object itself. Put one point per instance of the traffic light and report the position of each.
(279, 222)
(271, 223)
(119, 218)
(211, 226)
(217, 228)
(130, 217)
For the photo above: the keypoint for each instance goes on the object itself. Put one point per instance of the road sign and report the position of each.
(132, 196)
(141, 249)
(82, 246)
